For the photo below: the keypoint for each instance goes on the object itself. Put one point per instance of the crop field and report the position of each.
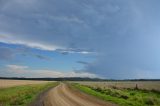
(11, 83)
(123, 93)
(79, 93)
(23, 95)
(144, 85)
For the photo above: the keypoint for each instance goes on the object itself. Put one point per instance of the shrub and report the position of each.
(149, 101)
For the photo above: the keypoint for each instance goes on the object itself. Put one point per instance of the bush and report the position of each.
(124, 96)
(132, 93)
(149, 101)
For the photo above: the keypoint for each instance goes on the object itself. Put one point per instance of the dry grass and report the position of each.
(11, 83)
(147, 85)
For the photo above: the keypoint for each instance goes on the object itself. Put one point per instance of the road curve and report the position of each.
(63, 95)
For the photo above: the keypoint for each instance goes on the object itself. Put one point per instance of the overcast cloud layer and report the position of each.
(123, 35)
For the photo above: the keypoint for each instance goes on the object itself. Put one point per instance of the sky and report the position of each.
(112, 39)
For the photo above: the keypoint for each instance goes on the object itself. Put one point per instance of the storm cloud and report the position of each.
(124, 34)
(6, 53)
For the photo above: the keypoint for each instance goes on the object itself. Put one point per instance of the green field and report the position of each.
(123, 97)
(22, 95)
(143, 85)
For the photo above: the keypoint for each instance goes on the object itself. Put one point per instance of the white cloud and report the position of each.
(13, 40)
(16, 69)
(56, 74)
(24, 71)
(70, 50)
(39, 45)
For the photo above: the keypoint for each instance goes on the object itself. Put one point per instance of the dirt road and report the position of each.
(63, 95)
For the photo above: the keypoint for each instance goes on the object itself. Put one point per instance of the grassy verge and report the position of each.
(22, 95)
(124, 97)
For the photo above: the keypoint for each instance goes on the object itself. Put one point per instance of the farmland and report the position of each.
(144, 85)
(124, 93)
(22, 93)
(79, 93)
(11, 83)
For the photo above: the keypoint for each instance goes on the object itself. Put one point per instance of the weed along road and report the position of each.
(63, 95)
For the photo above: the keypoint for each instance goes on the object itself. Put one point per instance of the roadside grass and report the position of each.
(123, 97)
(22, 95)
